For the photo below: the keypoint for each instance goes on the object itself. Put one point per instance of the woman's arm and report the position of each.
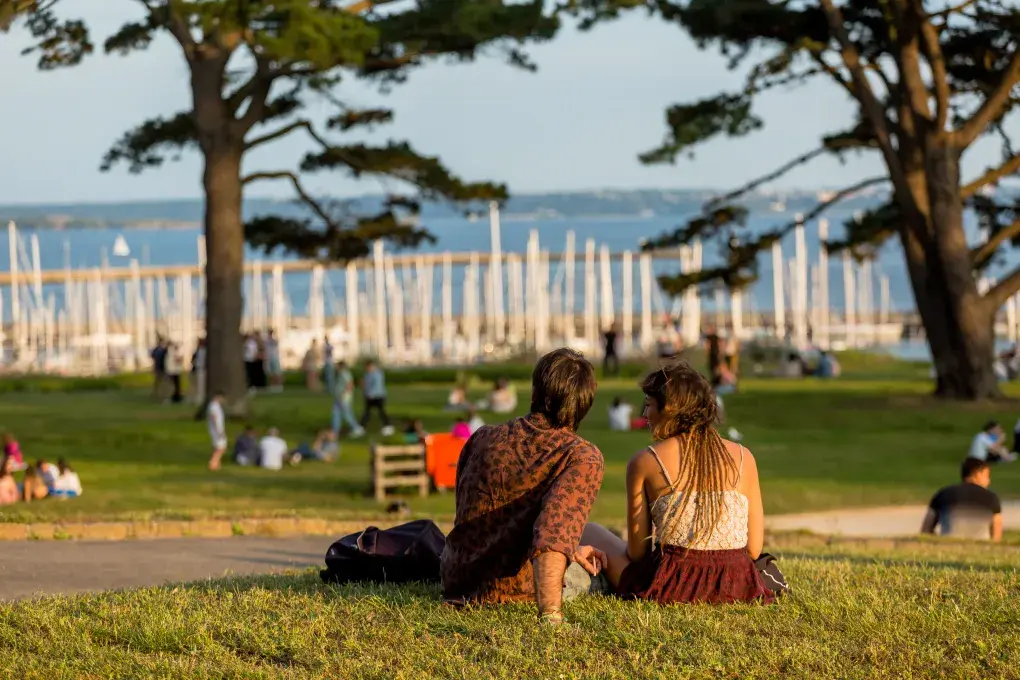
(755, 511)
(639, 520)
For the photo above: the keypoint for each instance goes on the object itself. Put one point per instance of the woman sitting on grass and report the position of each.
(8, 487)
(68, 485)
(34, 487)
(701, 495)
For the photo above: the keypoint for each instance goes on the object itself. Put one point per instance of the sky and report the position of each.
(596, 102)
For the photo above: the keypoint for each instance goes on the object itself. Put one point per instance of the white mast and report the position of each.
(496, 276)
(778, 290)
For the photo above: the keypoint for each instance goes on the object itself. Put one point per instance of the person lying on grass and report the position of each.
(699, 492)
(524, 491)
(968, 509)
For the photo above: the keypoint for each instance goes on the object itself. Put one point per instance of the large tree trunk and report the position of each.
(224, 271)
(957, 322)
(969, 318)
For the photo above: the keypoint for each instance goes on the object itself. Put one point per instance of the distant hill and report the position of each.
(188, 212)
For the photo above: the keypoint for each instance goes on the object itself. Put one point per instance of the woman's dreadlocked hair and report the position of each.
(688, 412)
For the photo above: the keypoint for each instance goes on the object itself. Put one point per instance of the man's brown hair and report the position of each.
(563, 388)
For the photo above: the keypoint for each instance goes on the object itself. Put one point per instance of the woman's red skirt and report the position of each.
(672, 574)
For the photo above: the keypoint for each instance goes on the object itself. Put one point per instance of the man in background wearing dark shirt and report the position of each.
(969, 509)
(524, 491)
(611, 356)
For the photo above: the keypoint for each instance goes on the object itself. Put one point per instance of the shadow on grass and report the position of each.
(894, 563)
(307, 582)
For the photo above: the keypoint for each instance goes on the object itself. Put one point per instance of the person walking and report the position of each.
(198, 373)
(174, 367)
(343, 401)
(216, 421)
(328, 368)
(158, 355)
(273, 366)
(611, 358)
(373, 386)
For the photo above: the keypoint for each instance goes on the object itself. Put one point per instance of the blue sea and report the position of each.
(87, 248)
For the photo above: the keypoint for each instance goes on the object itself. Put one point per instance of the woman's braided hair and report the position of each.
(688, 412)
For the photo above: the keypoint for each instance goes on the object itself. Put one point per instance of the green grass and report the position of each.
(863, 610)
(863, 440)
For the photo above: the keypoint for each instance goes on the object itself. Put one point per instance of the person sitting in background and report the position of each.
(989, 445)
(619, 416)
(457, 401)
(474, 420)
(246, 447)
(828, 367)
(273, 450)
(12, 450)
(414, 432)
(34, 488)
(48, 472)
(504, 397)
(68, 485)
(461, 429)
(792, 366)
(8, 487)
(968, 509)
(323, 448)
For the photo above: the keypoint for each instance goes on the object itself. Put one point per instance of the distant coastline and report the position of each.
(636, 204)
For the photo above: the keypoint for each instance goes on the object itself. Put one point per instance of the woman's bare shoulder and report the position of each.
(640, 460)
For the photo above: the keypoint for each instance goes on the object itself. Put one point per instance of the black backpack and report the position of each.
(770, 574)
(408, 552)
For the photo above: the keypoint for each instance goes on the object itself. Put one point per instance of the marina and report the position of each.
(449, 307)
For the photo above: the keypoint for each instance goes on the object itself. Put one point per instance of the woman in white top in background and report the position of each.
(699, 493)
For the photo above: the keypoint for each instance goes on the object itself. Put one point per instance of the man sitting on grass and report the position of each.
(969, 509)
(990, 445)
(524, 490)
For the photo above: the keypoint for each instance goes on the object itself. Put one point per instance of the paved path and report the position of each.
(61, 567)
(900, 520)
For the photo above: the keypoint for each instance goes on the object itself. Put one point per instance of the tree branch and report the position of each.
(305, 196)
(993, 106)
(755, 183)
(256, 90)
(841, 194)
(1008, 168)
(983, 252)
(179, 29)
(1003, 290)
(866, 96)
(937, 62)
(277, 134)
(944, 13)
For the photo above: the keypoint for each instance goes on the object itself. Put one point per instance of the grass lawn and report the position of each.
(862, 609)
(872, 438)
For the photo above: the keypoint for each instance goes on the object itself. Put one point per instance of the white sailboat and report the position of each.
(120, 247)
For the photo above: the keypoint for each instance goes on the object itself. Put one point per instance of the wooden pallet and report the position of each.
(395, 466)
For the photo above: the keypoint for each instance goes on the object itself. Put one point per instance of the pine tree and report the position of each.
(930, 80)
(255, 67)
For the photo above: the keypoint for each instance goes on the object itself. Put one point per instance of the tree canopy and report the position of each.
(912, 67)
(263, 62)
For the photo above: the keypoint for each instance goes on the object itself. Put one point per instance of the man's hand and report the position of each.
(592, 559)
